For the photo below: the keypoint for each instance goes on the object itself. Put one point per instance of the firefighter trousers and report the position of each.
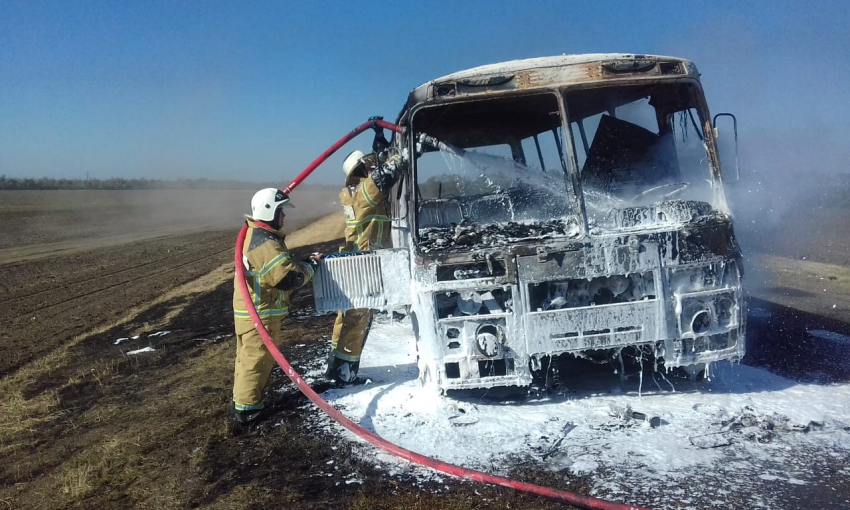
(254, 363)
(349, 335)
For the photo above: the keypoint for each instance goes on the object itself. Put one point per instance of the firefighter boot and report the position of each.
(349, 336)
(246, 417)
(329, 371)
(342, 371)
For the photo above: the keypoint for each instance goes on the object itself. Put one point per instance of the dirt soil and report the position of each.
(84, 424)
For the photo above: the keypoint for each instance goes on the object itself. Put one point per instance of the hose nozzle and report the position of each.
(426, 140)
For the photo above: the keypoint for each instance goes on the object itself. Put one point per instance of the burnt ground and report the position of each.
(84, 425)
(779, 339)
(103, 429)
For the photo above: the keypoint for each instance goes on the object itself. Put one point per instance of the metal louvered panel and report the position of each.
(378, 280)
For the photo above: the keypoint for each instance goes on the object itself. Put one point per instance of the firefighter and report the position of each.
(271, 275)
(367, 227)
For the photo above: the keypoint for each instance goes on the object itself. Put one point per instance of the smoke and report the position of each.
(785, 87)
(56, 217)
(793, 194)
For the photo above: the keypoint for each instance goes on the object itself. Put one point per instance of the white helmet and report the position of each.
(351, 162)
(265, 203)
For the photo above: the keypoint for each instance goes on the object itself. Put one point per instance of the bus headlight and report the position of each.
(488, 340)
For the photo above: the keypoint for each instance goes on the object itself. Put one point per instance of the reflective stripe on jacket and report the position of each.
(367, 224)
(267, 263)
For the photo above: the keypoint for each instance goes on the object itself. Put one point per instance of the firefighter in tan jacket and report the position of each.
(271, 275)
(367, 227)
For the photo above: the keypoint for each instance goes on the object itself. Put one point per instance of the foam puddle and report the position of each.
(140, 351)
(831, 336)
(717, 440)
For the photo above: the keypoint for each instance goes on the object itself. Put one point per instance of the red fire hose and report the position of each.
(374, 439)
(333, 148)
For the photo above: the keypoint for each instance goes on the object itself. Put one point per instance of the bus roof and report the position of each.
(543, 72)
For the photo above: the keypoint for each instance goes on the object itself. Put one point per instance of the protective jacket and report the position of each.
(367, 224)
(270, 272)
(367, 227)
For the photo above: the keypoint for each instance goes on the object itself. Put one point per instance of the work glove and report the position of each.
(393, 159)
(387, 172)
(313, 261)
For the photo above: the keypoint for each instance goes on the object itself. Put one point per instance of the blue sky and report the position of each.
(256, 90)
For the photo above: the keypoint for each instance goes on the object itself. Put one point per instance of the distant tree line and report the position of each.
(49, 183)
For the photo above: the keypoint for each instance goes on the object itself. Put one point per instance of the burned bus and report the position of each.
(575, 207)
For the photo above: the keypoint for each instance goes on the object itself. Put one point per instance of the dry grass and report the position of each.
(101, 414)
(325, 229)
(111, 463)
(20, 416)
(76, 480)
(97, 373)
(136, 434)
(22, 419)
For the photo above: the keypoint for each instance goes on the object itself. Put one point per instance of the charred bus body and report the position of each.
(577, 208)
